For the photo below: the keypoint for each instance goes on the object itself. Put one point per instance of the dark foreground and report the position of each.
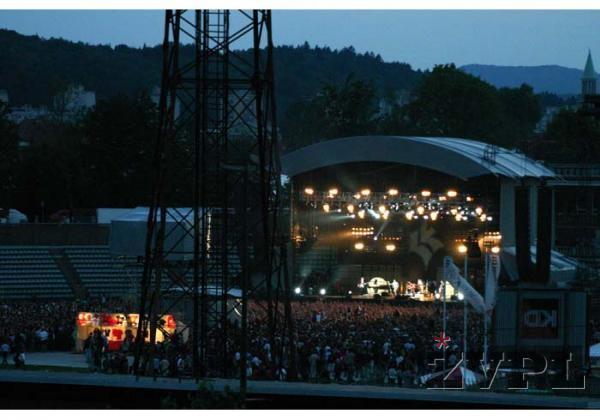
(72, 390)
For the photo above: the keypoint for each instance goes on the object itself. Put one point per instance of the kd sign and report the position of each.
(540, 318)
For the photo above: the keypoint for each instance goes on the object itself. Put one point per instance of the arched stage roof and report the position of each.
(454, 156)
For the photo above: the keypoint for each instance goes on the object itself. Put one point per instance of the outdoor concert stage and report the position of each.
(50, 389)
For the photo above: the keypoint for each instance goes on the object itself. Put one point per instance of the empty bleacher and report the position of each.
(102, 273)
(30, 271)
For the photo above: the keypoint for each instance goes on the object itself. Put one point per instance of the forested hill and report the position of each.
(555, 79)
(33, 69)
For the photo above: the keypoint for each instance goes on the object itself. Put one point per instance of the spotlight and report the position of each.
(454, 212)
(309, 191)
(458, 217)
(322, 292)
(386, 215)
(297, 290)
(460, 296)
(365, 192)
(442, 198)
(462, 249)
(495, 250)
(326, 208)
(483, 217)
(451, 193)
(490, 218)
(420, 210)
(381, 209)
(469, 198)
(350, 208)
(409, 214)
(333, 191)
(437, 295)
(357, 196)
(433, 215)
(425, 193)
(361, 214)
(359, 246)
(393, 191)
(478, 210)
(390, 247)
(349, 292)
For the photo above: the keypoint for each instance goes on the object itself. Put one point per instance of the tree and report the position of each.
(349, 109)
(8, 156)
(450, 102)
(573, 136)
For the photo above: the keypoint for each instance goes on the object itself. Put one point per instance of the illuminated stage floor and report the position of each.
(280, 394)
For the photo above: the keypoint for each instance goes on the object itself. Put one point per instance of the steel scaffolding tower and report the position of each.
(216, 156)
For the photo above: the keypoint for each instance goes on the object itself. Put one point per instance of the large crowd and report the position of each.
(345, 341)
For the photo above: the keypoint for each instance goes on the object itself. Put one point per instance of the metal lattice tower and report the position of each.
(214, 220)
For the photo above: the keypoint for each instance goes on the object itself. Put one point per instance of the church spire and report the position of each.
(588, 78)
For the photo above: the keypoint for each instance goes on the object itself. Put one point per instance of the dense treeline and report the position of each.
(34, 70)
(446, 102)
(104, 158)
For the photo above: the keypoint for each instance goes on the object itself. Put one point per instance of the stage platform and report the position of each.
(336, 395)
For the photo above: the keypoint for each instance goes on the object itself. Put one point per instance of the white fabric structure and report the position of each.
(562, 269)
(458, 157)
(452, 275)
(595, 351)
(471, 377)
(128, 233)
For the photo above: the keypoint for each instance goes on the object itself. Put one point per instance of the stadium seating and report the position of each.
(28, 271)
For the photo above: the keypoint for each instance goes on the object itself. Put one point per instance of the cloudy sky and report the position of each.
(421, 38)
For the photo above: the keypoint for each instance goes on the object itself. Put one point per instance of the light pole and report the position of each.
(462, 249)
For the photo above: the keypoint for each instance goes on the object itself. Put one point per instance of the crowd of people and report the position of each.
(340, 341)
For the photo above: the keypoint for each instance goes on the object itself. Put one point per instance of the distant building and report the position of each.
(589, 77)
(74, 100)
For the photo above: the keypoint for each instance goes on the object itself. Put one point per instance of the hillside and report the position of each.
(33, 69)
(555, 79)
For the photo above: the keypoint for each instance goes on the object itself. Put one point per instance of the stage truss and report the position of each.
(217, 132)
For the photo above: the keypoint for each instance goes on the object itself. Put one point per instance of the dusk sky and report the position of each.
(421, 38)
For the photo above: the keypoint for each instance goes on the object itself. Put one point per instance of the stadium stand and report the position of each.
(31, 272)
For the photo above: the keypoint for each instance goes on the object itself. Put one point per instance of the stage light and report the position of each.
(495, 250)
(333, 191)
(393, 191)
(458, 217)
(437, 296)
(469, 198)
(426, 193)
(390, 247)
(359, 246)
(297, 290)
(478, 210)
(349, 292)
(489, 218)
(453, 212)
(350, 208)
(357, 196)
(309, 191)
(326, 208)
(460, 296)
(386, 215)
(462, 249)
(409, 214)
(322, 292)
(381, 209)
(442, 198)
(361, 214)
(365, 192)
(433, 215)
(420, 210)
(483, 217)
(451, 193)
